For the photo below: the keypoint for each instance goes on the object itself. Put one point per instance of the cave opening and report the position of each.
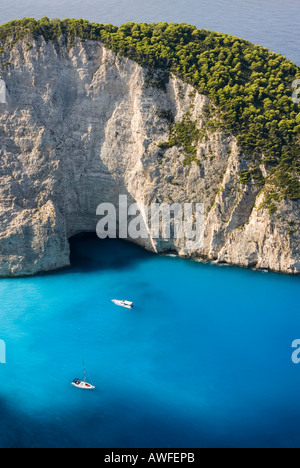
(89, 253)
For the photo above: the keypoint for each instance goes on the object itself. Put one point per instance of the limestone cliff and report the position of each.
(82, 125)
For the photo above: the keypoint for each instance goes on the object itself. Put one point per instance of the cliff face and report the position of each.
(82, 126)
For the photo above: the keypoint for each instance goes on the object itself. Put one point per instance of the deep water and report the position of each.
(203, 359)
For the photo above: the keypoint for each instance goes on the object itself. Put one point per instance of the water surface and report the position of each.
(204, 359)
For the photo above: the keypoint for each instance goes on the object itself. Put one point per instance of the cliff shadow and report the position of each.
(89, 253)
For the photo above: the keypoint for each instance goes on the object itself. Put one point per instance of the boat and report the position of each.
(126, 304)
(84, 385)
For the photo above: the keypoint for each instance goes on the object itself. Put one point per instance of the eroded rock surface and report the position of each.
(82, 126)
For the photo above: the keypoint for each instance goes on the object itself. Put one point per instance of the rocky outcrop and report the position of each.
(83, 125)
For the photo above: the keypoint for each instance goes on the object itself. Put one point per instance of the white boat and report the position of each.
(126, 304)
(84, 385)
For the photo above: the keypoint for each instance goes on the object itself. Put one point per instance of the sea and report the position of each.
(204, 358)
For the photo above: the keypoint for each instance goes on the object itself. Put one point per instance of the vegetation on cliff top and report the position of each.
(251, 86)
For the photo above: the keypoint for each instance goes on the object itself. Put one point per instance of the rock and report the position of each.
(82, 126)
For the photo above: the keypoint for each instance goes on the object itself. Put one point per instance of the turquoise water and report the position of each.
(204, 359)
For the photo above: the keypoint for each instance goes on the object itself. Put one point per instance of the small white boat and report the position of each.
(83, 385)
(126, 304)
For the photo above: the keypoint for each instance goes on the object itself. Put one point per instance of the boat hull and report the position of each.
(126, 304)
(83, 386)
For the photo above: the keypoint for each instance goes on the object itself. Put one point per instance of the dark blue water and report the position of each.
(271, 23)
(204, 359)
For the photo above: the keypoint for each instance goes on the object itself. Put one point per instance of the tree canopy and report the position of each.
(251, 86)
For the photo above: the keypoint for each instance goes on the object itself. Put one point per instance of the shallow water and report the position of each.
(204, 358)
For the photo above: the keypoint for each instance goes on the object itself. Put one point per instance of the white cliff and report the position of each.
(82, 126)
